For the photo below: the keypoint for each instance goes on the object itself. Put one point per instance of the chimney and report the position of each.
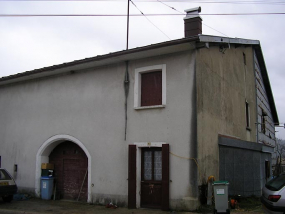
(193, 22)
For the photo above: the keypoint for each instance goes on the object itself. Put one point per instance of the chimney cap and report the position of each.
(192, 13)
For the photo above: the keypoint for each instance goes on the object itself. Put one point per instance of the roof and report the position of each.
(120, 56)
(147, 51)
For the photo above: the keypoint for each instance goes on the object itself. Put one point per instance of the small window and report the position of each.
(244, 58)
(267, 169)
(150, 87)
(247, 115)
(263, 122)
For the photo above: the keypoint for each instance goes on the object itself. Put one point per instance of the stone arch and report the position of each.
(43, 157)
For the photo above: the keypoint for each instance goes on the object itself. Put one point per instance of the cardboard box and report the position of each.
(47, 166)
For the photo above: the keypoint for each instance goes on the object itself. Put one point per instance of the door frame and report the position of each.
(139, 146)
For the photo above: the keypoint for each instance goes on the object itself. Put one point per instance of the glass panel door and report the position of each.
(151, 185)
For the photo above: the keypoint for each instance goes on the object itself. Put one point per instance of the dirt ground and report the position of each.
(35, 206)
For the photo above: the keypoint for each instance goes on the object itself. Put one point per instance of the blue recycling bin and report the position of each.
(46, 187)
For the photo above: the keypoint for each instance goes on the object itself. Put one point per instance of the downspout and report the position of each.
(255, 96)
(126, 88)
(126, 81)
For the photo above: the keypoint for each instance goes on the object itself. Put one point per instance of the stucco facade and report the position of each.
(87, 108)
(95, 103)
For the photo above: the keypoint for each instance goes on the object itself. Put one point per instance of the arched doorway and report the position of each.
(70, 171)
(43, 157)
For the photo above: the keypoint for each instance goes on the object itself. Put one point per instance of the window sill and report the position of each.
(248, 129)
(149, 107)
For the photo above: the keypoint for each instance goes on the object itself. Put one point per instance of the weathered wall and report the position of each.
(224, 84)
(267, 136)
(89, 106)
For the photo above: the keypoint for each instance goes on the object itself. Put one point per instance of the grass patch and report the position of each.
(244, 204)
(248, 204)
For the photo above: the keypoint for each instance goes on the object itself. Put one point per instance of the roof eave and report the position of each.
(267, 84)
(101, 60)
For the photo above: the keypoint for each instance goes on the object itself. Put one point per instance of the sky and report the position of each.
(28, 43)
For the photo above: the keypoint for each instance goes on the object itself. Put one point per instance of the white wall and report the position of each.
(89, 106)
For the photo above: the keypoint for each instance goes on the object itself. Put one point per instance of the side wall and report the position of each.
(266, 136)
(225, 82)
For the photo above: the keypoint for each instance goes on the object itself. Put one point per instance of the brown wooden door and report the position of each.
(70, 163)
(151, 180)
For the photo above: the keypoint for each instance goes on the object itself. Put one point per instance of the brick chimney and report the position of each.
(193, 22)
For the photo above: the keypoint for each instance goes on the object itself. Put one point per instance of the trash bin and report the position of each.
(221, 196)
(46, 187)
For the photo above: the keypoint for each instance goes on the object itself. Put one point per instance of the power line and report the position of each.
(189, 1)
(123, 15)
(215, 29)
(149, 20)
(184, 14)
(170, 7)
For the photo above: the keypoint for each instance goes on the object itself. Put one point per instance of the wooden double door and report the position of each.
(70, 170)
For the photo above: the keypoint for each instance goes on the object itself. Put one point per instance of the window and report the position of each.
(150, 87)
(151, 164)
(247, 115)
(263, 121)
(267, 169)
(244, 58)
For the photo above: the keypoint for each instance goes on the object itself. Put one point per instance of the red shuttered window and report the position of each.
(151, 88)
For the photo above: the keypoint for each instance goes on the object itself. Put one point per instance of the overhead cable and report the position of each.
(170, 7)
(149, 20)
(205, 14)
(274, 2)
(184, 14)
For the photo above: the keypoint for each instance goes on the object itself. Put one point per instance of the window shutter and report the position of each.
(132, 177)
(165, 177)
(151, 88)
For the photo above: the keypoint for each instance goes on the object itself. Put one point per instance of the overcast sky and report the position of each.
(28, 43)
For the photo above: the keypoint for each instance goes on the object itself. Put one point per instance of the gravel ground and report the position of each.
(35, 206)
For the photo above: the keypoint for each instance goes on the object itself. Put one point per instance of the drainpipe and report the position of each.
(256, 124)
(126, 87)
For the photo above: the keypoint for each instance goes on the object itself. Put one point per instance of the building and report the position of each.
(144, 127)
